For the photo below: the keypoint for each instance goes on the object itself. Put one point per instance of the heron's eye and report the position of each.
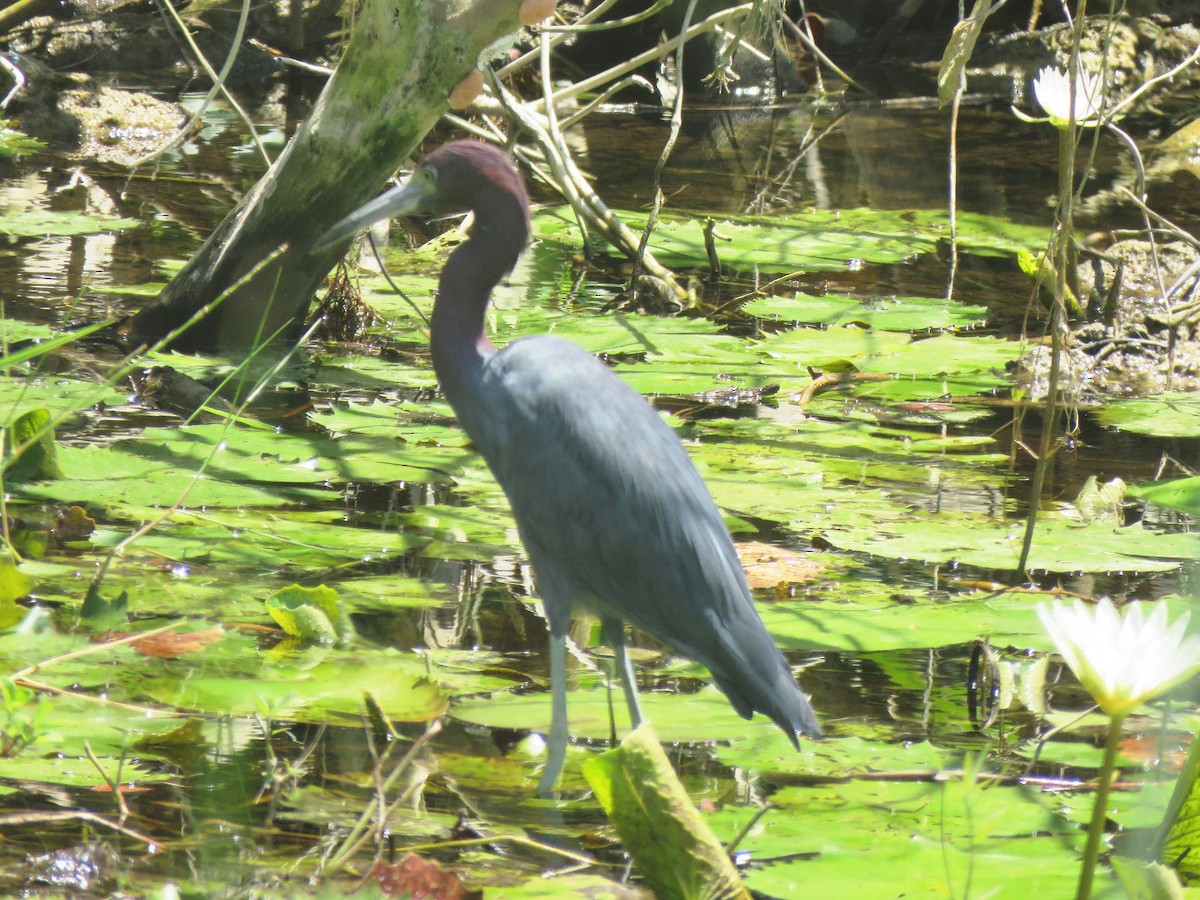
(428, 176)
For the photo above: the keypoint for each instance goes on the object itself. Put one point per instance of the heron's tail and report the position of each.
(775, 694)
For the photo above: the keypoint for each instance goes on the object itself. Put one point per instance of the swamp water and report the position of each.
(880, 521)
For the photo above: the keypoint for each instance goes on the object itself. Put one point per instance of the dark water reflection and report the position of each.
(884, 157)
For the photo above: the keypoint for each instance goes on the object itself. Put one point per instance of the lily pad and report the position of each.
(1165, 415)
(46, 223)
(122, 477)
(874, 619)
(1181, 494)
(913, 314)
(699, 717)
(311, 614)
(327, 689)
(1058, 545)
(817, 239)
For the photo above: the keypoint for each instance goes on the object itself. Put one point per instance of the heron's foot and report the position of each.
(556, 755)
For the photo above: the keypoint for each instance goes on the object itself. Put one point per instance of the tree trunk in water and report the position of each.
(391, 87)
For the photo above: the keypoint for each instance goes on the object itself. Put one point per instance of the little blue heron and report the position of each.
(615, 518)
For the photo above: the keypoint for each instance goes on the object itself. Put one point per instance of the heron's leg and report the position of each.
(614, 631)
(556, 749)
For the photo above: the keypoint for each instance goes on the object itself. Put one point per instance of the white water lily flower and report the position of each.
(1052, 88)
(1124, 659)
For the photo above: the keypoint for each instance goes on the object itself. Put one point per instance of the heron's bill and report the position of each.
(404, 200)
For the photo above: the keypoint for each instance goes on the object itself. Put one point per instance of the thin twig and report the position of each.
(76, 815)
(820, 54)
(1064, 259)
(668, 146)
(18, 77)
(43, 688)
(90, 649)
(559, 34)
(392, 284)
(284, 60)
(114, 783)
(361, 831)
(518, 839)
(1118, 110)
(591, 26)
(120, 548)
(941, 776)
(595, 103)
(573, 185)
(218, 85)
(588, 85)
(745, 829)
(1178, 231)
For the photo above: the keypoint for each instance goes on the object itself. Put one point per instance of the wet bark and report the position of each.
(392, 85)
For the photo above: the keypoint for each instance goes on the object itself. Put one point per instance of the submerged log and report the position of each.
(404, 59)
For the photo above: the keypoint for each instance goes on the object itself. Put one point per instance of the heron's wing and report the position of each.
(614, 516)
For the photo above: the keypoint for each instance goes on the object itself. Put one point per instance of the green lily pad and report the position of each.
(47, 222)
(119, 476)
(1058, 546)
(14, 142)
(816, 239)
(274, 541)
(884, 313)
(1180, 494)
(837, 348)
(79, 772)
(703, 716)
(947, 354)
(1165, 415)
(323, 689)
(311, 614)
(875, 620)
(32, 434)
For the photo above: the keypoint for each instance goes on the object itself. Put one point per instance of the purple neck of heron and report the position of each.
(458, 334)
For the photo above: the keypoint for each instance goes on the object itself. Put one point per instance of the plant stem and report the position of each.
(1183, 789)
(1091, 851)
(1060, 252)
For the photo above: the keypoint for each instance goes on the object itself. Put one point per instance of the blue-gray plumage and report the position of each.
(613, 514)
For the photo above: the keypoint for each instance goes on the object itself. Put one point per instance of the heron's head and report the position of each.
(466, 175)
(459, 176)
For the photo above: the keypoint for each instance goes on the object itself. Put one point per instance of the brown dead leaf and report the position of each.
(768, 566)
(123, 788)
(174, 644)
(419, 878)
(1148, 749)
